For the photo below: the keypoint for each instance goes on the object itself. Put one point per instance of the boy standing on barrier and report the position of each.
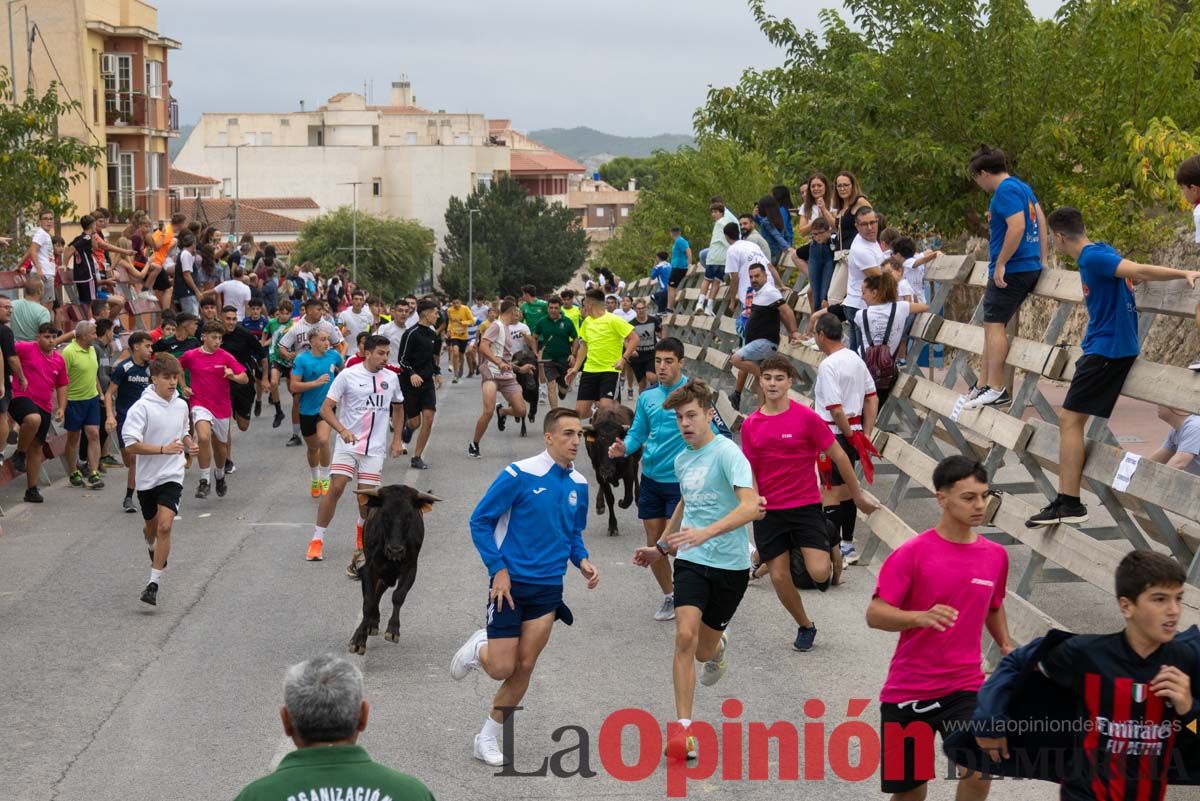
(709, 535)
(782, 440)
(939, 590)
(1110, 348)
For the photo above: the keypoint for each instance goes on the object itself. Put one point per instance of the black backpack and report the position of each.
(881, 362)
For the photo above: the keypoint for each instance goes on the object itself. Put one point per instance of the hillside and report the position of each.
(584, 143)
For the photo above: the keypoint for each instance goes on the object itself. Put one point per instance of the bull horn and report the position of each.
(425, 497)
(370, 492)
(588, 428)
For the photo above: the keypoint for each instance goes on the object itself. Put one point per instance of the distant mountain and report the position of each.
(590, 145)
(175, 145)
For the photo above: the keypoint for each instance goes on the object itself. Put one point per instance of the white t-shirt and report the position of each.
(877, 318)
(412, 320)
(296, 338)
(393, 333)
(739, 257)
(842, 380)
(45, 254)
(915, 276)
(354, 323)
(235, 293)
(905, 290)
(1196, 219)
(187, 260)
(863, 256)
(627, 316)
(364, 402)
(1187, 440)
(516, 338)
(154, 421)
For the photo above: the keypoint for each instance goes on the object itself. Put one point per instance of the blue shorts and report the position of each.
(714, 272)
(657, 499)
(757, 350)
(82, 413)
(532, 601)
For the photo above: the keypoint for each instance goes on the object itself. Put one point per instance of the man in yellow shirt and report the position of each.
(459, 320)
(569, 309)
(83, 402)
(606, 344)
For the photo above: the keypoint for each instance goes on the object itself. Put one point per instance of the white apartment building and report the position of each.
(407, 161)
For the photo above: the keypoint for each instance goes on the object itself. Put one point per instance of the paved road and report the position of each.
(105, 698)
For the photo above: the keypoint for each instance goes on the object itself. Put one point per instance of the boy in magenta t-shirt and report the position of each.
(45, 375)
(782, 441)
(211, 369)
(938, 590)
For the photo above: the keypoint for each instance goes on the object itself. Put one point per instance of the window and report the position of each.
(285, 123)
(189, 191)
(226, 187)
(264, 138)
(154, 162)
(232, 122)
(125, 182)
(483, 180)
(410, 138)
(249, 139)
(223, 139)
(624, 211)
(118, 83)
(377, 187)
(374, 136)
(599, 211)
(316, 136)
(154, 81)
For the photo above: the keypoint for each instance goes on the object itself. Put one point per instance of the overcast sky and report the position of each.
(630, 67)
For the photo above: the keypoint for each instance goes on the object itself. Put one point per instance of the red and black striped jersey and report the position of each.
(1127, 733)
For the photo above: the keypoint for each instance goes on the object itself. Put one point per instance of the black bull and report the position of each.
(529, 386)
(392, 537)
(607, 426)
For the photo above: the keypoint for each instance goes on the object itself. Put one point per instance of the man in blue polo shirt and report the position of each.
(526, 527)
(1016, 252)
(1110, 347)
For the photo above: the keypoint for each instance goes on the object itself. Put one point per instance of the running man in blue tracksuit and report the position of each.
(525, 527)
(655, 429)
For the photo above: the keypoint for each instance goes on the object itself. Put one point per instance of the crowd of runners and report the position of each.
(361, 379)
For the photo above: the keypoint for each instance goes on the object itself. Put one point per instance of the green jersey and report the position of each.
(555, 338)
(274, 332)
(334, 771)
(534, 312)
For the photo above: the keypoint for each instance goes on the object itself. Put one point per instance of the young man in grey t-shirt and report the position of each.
(1181, 449)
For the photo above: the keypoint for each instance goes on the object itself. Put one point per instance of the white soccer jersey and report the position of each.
(842, 380)
(364, 403)
(296, 339)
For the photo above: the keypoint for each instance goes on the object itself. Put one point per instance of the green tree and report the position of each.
(621, 170)
(37, 166)
(682, 193)
(525, 240)
(393, 254)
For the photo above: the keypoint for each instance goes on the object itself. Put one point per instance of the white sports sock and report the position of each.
(685, 722)
(155, 576)
(491, 728)
(319, 533)
(205, 473)
(670, 596)
(359, 522)
(325, 472)
(219, 472)
(315, 472)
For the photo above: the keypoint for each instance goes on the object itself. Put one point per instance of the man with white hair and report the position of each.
(324, 712)
(83, 403)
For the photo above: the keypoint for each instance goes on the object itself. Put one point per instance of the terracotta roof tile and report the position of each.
(178, 177)
(535, 161)
(276, 203)
(252, 220)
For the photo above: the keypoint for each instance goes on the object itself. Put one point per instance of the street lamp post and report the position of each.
(353, 229)
(237, 185)
(471, 253)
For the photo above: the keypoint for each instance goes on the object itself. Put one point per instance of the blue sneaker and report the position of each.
(804, 638)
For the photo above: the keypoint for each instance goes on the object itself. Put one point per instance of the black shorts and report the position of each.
(676, 276)
(642, 365)
(167, 495)
(851, 454)
(555, 371)
(907, 729)
(461, 344)
(284, 370)
(594, 386)
(530, 601)
(999, 305)
(308, 424)
(418, 398)
(162, 281)
(1097, 384)
(241, 396)
(781, 530)
(715, 591)
(20, 408)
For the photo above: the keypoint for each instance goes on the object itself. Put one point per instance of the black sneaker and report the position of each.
(33, 496)
(736, 399)
(473, 451)
(94, 482)
(202, 489)
(278, 421)
(294, 441)
(406, 434)
(804, 638)
(500, 421)
(18, 461)
(258, 408)
(1058, 511)
(150, 594)
(417, 463)
(222, 487)
(230, 467)
(533, 417)
(128, 506)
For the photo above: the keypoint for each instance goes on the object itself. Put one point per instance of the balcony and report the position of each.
(135, 112)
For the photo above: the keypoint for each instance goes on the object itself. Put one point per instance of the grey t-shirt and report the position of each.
(1187, 440)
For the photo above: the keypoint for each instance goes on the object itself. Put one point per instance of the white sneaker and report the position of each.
(667, 610)
(487, 749)
(985, 398)
(849, 555)
(1194, 366)
(715, 668)
(465, 661)
(542, 394)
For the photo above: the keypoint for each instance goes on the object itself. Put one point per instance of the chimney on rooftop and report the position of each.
(402, 92)
(633, 184)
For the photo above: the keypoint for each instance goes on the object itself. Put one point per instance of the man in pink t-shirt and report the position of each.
(796, 542)
(939, 590)
(211, 369)
(45, 374)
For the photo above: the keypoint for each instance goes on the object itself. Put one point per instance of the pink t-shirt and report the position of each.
(929, 570)
(45, 373)
(782, 449)
(210, 387)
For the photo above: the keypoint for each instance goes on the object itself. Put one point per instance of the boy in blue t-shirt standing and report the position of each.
(681, 259)
(661, 274)
(1110, 347)
(1016, 252)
